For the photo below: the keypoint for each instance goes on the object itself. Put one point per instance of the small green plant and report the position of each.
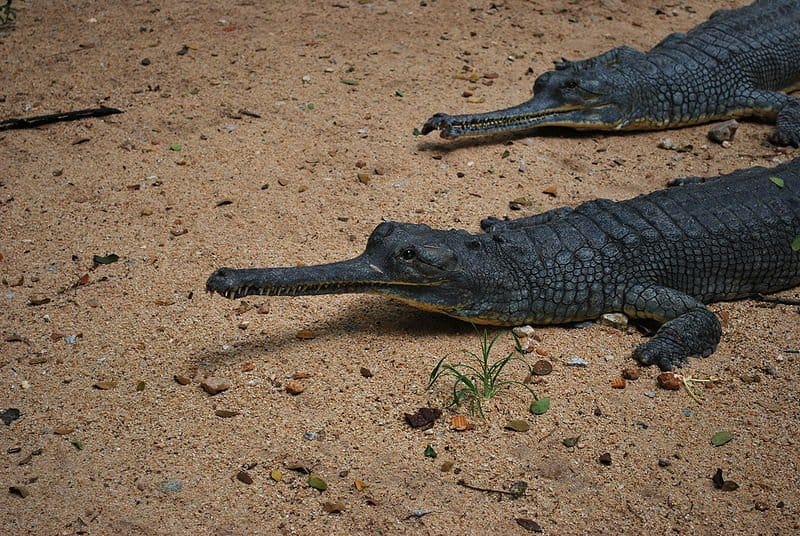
(8, 15)
(478, 379)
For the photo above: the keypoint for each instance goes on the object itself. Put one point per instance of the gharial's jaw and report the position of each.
(537, 112)
(346, 277)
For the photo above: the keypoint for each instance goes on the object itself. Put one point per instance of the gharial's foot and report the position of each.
(787, 127)
(694, 334)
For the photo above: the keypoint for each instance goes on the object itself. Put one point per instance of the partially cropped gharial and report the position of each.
(734, 65)
(660, 256)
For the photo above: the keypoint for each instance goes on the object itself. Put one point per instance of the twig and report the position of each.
(514, 494)
(39, 120)
(774, 299)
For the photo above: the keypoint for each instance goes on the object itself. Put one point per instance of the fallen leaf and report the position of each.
(518, 425)
(276, 475)
(359, 484)
(720, 438)
(105, 259)
(305, 335)
(423, 418)
(430, 452)
(105, 385)
(529, 524)
(316, 482)
(294, 388)
(244, 477)
(460, 423)
(333, 507)
(540, 406)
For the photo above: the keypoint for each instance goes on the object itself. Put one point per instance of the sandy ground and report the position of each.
(271, 143)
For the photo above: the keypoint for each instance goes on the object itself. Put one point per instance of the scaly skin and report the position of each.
(660, 256)
(734, 65)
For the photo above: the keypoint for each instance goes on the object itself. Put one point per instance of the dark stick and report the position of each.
(32, 122)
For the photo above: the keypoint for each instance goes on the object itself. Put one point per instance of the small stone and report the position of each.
(276, 475)
(63, 430)
(667, 143)
(359, 484)
(10, 415)
(170, 486)
(299, 375)
(618, 382)
(38, 299)
(542, 368)
(19, 491)
(687, 412)
(379, 170)
(215, 385)
(519, 203)
(724, 131)
(145, 61)
(305, 335)
(631, 373)
(605, 458)
(447, 466)
(650, 393)
(577, 362)
(263, 309)
(668, 381)
(333, 507)
(181, 379)
(614, 320)
(105, 385)
(663, 462)
(550, 190)
(518, 425)
(761, 506)
(226, 413)
(524, 331)
(423, 418)
(363, 177)
(244, 477)
(294, 388)
(309, 436)
(529, 524)
(365, 372)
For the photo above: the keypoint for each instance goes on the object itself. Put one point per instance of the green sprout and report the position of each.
(478, 379)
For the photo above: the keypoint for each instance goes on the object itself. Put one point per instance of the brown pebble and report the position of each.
(618, 382)
(248, 366)
(105, 385)
(668, 381)
(365, 372)
(333, 507)
(263, 309)
(631, 373)
(215, 385)
(19, 491)
(63, 430)
(360, 164)
(467, 93)
(542, 367)
(379, 170)
(226, 413)
(294, 388)
(244, 477)
(38, 299)
(605, 458)
(724, 131)
(447, 467)
(181, 379)
(550, 190)
(761, 506)
(363, 177)
(305, 334)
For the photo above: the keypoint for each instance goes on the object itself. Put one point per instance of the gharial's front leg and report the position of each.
(784, 108)
(689, 329)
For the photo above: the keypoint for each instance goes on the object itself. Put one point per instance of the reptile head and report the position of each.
(448, 272)
(594, 98)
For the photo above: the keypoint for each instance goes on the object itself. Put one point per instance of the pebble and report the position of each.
(333, 507)
(650, 393)
(686, 412)
(226, 413)
(523, 331)
(294, 388)
(170, 486)
(365, 372)
(181, 379)
(724, 131)
(663, 462)
(631, 373)
(668, 381)
(244, 477)
(605, 458)
(614, 320)
(518, 425)
(310, 436)
(215, 385)
(577, 362)
(10, 415)
(19, 491)
(542, 368)
(38, 299)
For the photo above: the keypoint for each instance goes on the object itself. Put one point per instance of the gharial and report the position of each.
(659, 256)
(733, 65)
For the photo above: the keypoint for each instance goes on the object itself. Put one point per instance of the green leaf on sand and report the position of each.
(778, 181)
(175, 147)
(315, 481)
(429, 452)
(416, 132)
(105, 259)
(796, 243)
(540, 406)
(349, 82)
(720, 438)
(399, 93)
(310, 106)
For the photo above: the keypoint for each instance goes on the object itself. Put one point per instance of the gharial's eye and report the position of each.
(570, 84)
(407, 254)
